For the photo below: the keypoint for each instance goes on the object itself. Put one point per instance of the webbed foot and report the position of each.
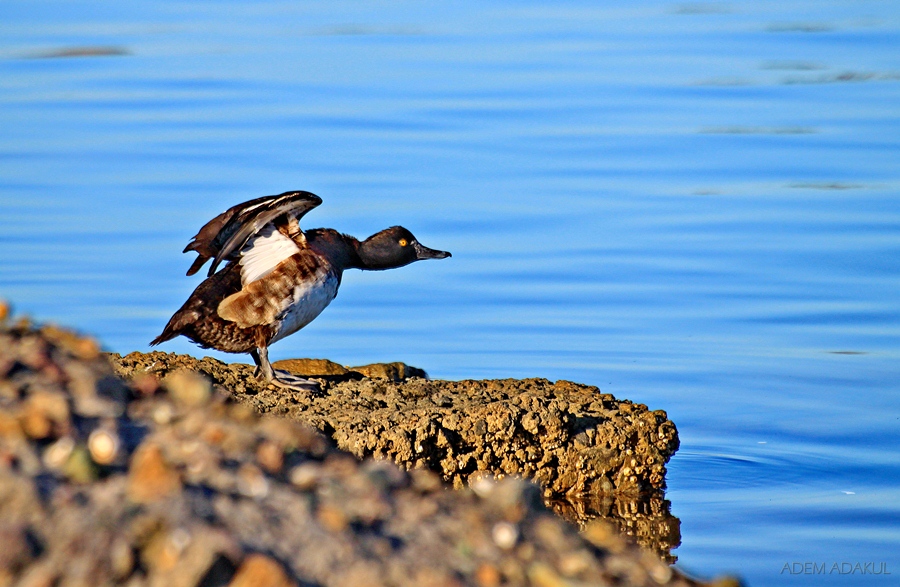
(287, 380)
(279, 378)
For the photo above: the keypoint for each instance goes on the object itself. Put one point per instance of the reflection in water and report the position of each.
(87, 51)
(844, 77)
(646, 518)
(759, 130)
(800, 27)
(792, 65)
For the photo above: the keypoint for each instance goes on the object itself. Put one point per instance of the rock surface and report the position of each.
(324, 368)
(593, 455)
(170, 482)
(571, 438)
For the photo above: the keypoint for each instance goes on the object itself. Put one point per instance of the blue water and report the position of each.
(691, 205)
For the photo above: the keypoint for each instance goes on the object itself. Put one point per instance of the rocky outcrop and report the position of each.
(169, 481)
(592, 454)
(570, 438)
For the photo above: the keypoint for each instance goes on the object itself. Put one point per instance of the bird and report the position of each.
(276, 277)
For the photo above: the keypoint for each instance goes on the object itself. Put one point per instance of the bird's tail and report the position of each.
(176, 326)
(167, 334)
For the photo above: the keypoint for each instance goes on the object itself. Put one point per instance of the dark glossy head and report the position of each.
(395, 247)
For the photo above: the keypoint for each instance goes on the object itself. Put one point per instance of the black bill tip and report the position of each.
(423, 252)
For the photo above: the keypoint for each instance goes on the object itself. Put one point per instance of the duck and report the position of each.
(269, 278)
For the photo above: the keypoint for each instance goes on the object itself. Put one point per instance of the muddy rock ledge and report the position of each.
(592, 455)
(172, 482)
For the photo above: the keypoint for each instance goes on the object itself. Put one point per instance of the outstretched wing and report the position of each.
(228, 232)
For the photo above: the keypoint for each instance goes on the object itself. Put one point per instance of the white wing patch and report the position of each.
(262, 253)
(307, 301)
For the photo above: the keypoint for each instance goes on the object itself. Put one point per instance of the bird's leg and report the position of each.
(278, 377)
(255, 354)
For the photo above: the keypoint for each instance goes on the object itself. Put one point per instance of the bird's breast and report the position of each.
(307, 300)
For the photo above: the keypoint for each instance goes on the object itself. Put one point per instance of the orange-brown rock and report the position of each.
(258, 570)
(310, 367)
(395, 371)
(150, 477)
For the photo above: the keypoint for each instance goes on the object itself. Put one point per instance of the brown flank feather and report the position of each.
(198, 320)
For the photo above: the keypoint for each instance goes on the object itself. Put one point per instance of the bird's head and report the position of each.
(395, 247)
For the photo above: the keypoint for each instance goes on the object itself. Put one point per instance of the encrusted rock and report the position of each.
(571, 438)
(594, 455)
(391, 371)
(311, 367)
(396, 371)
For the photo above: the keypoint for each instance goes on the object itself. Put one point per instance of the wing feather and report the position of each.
(225, 235)
(263, 252)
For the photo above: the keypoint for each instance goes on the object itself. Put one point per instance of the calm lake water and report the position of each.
(691, 205)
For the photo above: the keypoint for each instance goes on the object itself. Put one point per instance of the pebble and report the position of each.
(121, 558)
(82, 347)
(332, 518)
(150, 478)
(487, 575)
(56, 454)
(79, 467)
(258, 570)
(425, 480)
(146, 384)
(542, 575)
(575, 563)
(505, 535)
(252, 482)
(483, 485)
(188, 387)
(35, 423)
(270, 456)
(305, 476)
(103, 446)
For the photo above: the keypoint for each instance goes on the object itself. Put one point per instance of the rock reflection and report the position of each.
(645, 518)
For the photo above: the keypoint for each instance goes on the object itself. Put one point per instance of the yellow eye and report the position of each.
(403, 242)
